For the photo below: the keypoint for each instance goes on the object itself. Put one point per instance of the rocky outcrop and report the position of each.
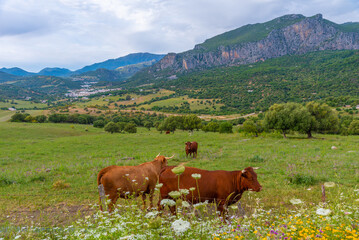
(307, 35)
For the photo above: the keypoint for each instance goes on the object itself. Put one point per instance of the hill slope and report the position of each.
(329, 75)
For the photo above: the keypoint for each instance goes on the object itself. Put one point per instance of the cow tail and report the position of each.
(100, 175)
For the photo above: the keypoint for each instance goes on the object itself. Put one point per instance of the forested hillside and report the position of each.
(330, 75)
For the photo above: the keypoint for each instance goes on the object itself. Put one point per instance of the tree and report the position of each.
(354, 127)
(112, 127)
(191, 122)
(99, 123)
(252, 126)
(148, 125)
(18, 117)
(130, 128)
(211, 127)
(170, 124)
(322, 118)
(40, 118)
(287, 116)
(225, 127)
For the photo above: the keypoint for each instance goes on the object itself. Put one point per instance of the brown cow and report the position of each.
(122, 181)
(168, 132)
(222, 187)
(191, 148)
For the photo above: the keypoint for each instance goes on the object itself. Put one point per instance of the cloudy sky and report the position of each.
(73, 33)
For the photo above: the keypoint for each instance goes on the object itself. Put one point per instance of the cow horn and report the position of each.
(243, 171)
(158, 154)
(256, 168)
(169, 157)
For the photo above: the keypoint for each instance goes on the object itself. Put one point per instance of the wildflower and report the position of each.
(146, 178)
(168, 202)
(159, 185)
(17, 237)
(196, 175)
(192, 189)
(295, 201)
(329, 184)
(178, 170)
(199, 205)
(180, 226)
(323, 211)
(151, 214)
(185, 204)
(184, 191)
(127, 174)
(127, 193)
(174, 194)
(234, 207)
(134, 180)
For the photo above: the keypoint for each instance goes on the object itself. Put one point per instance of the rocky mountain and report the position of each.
(286, 35)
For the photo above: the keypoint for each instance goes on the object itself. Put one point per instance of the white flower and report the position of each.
(151, 214)
(127, 193)
(134, 180)
(357, 200)
(178, 170)
(127, 174)
(329, 184)
(323, 211)
(17, 237)
(159, 185)
(234, 207)
(356, 190)
(168, 202)
(192, 189)
(309, 189)
(174, 194)
(199, 205)
(185, 204)
(180, 226)
(184, 191)
(196, 175)
(295, 201)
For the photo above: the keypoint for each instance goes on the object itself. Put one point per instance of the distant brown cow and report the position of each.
(222, 187)
(191, 148)
(122, 181)
(168, 132)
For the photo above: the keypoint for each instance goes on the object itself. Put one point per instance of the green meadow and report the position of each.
(50, 167)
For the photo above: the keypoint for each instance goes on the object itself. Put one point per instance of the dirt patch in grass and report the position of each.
(59, 215)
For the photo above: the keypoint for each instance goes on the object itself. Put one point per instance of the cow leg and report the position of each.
(113, 197)
(144, 200)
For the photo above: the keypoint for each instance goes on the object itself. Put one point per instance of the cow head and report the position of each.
(163, 160)
(188, 145)
(249, 180)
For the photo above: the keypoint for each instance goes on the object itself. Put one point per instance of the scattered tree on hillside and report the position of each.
(112, 127)
(252, 126)
(287, 116)
(191, 122)
(225, 127)
(130, 128)
(354, 127)
(322, 118)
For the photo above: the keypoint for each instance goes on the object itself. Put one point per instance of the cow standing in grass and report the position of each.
(222, 187)
(123, 181)
(191, 148)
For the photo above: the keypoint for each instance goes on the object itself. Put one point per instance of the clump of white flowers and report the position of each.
(180, 226)
(295, 201)
(168, 202)
(196, 175)
(323, 211)
(329, 184)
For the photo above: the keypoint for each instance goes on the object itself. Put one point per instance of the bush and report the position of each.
(354, 127)
(112, 127)
(300, 179)
(225, 127)
(41, 118)
(18, 117)
(99, 123)
(130, 128)
(211, 127)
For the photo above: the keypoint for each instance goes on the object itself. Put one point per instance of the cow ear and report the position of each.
(244, 173)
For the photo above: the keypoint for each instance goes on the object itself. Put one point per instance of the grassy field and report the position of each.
(35, 157)
(22, 104)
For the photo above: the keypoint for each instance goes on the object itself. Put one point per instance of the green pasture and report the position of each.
(22, 104)
(34, 156)
(195, 104)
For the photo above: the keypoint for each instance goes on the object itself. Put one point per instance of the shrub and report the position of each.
(354, 127)
(301, 179)
(60, 184)
(99, 123)
(112, 127)
(225, 127)
(41, 118)
(130, 128)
